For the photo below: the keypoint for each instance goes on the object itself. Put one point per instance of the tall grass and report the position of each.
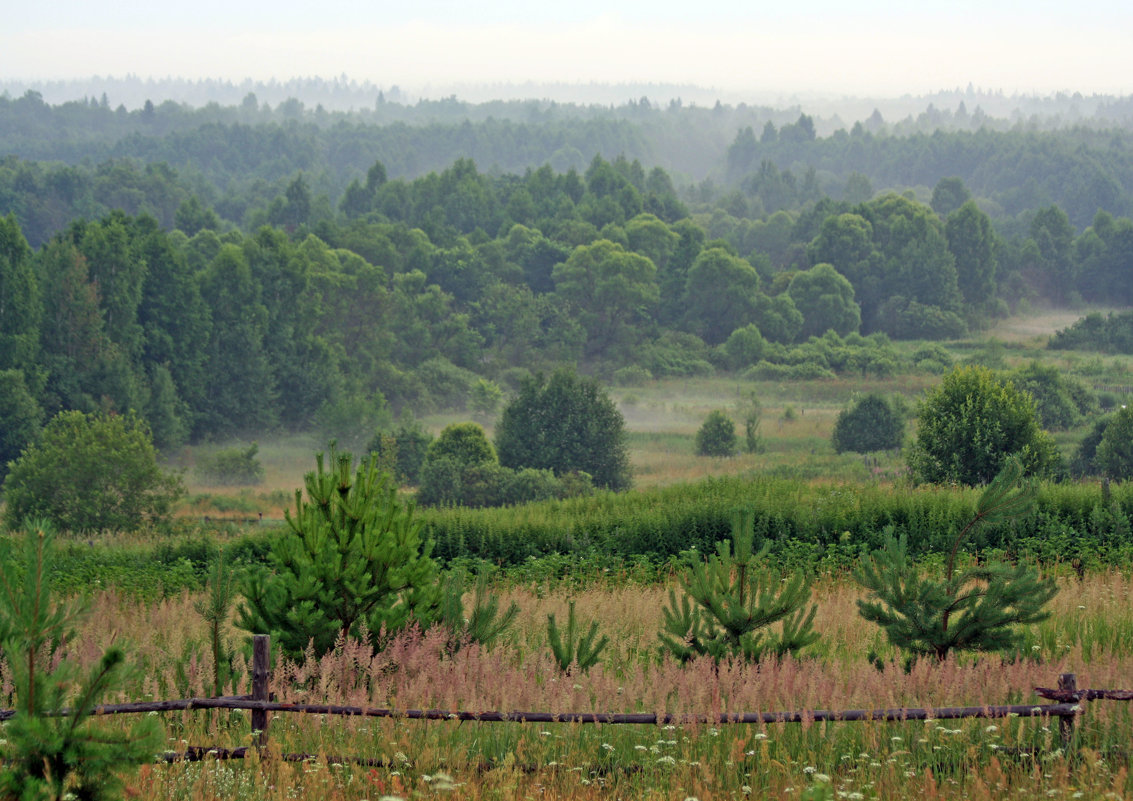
(1088, 634)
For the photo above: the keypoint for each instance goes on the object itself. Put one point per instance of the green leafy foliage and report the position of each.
(730, 600)
(572, 649)
(975, 609)
(47, 755)
(826, 300)
(351, 560)
(565, 424)
(1112, 333)
(21, 415)
(751, 413)
(403, 449)
(464, 443)
(971, 424)
(716, 435)
(232, 466)
(872, 423)
(90, 473)
(1114, 455)
(1060, 402)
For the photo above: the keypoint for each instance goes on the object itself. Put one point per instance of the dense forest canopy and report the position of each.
(231, 270)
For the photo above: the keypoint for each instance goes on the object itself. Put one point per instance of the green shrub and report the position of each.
(1060, 402)
(730, 601)
(975, 609)
(565, 424)
(89, 473)
(716, 436)
(352, 560)
(743, 347)
(232, 466)
(971, 424)
(484, 398)
(403, 449)
(632, 375)
(872, 423)
(1110, 334)
(1114, 455)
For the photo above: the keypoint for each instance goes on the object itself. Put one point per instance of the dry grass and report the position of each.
(1089, 634)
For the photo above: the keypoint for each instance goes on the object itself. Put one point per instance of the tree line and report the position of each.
(416, 293)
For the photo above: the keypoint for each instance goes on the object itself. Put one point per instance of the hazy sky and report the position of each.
(868, 47)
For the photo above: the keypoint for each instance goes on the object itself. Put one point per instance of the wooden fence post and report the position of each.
(1067, 682)
(261, 670)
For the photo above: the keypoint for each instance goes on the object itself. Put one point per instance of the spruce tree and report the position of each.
(976, 609)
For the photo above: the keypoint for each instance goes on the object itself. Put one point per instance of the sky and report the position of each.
(864, 48)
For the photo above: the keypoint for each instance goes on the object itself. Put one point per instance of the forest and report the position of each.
(233, 271)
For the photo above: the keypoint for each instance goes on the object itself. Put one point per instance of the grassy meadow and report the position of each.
(1090, 633)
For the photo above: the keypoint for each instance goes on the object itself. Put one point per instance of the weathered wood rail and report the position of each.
(1067, 706)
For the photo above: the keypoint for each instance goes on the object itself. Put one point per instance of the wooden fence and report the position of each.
(1068, 704)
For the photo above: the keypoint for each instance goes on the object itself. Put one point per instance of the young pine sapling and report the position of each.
(730, 601)
(572, 649)
(976, 609)
(45, 754)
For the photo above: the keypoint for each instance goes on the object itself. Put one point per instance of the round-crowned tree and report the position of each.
(91, 472)
(717, 435)
(971, 424)
(565, 424)
(460, 456)
(872, 423)
(1115, 451)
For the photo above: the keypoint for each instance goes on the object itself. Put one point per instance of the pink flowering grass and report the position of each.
(1089, 634)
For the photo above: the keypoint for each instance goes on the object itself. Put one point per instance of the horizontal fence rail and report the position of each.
(1068, 705)
(1058, 710)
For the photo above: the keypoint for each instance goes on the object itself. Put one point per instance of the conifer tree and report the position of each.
(731, 600)
(46, 755)
(976, 609)
(351, 560)
(570, 647)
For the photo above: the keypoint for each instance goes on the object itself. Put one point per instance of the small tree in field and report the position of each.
(91, 472)
(46, 755)
(565, 424)
(977, 609)
(1114, 455)
(717, 436)
(971, 424)
(351, 560)
(871, 424)
(731, 600)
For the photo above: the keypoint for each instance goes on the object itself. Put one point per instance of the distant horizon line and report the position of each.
(438, 90)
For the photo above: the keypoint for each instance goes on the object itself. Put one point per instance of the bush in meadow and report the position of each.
(871, 423)
(971, 424)
(716, 436)
(233, 466)
(90, 473)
